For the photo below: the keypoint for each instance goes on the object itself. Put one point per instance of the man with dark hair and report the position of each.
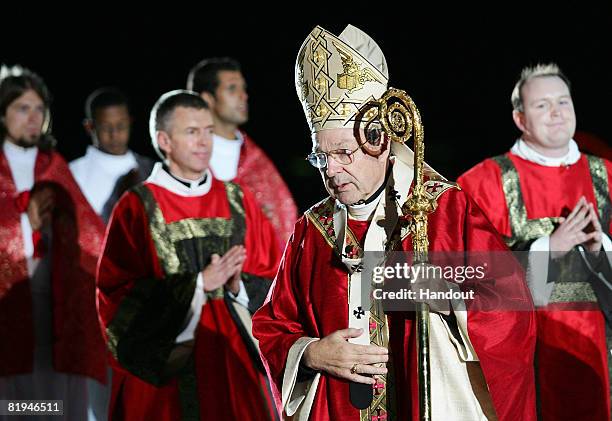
(548, 199)
(235, 155)
(187, 260)
(108, 168)
(51, 346)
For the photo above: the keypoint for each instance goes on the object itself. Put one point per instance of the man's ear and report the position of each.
(163, 141)
(209, 98)
(89, 127)
(385, 147)
(519, 120)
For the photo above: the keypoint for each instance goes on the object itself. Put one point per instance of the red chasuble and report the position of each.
(77, 236)
(520, 198)
(259, 175)
(156, 245)
(310, 299)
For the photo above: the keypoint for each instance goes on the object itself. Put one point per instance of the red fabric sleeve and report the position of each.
(277, 324)
(501, 322)
(128, 255)
(483, 184)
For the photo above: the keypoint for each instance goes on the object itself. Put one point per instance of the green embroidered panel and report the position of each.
(523, 229)
(143, 331)
(569, 285)
(599, 174)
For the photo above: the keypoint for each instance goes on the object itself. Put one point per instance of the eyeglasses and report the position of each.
(341, 156)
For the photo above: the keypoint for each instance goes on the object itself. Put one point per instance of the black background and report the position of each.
(459, 67)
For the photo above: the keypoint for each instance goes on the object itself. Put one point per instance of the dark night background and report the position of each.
(459, 70)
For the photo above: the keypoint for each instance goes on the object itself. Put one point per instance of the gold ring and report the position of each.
(354, 369)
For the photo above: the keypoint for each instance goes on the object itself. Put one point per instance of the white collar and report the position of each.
(160, 177)
(364, 211)
(226, 156)
(119, 164)
(237, 142)
(17, 153)
(523, 150)
(22, 162)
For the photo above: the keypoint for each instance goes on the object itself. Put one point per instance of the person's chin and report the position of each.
(202, 166)
(561, 138)
(346, 198)
(118, 151)
(28, 141)
(558, 131)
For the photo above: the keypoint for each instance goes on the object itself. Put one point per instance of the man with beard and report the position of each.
(51, 346)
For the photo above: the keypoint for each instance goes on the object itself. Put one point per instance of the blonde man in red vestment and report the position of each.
(51, 346)
(322, 340)
(546, 197)
(236, 157)
(187, 259)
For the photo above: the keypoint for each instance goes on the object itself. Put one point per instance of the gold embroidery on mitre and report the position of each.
(353, 77)
(300, 82)
(334, 81)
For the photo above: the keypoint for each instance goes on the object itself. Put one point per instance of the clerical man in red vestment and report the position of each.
(236, 157)
(546, 197)
(320, 337)
(51, 346)
(187, 259)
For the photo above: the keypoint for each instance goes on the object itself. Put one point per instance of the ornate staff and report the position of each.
(399, 117)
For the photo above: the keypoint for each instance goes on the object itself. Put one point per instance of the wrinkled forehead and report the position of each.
(330, 139)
